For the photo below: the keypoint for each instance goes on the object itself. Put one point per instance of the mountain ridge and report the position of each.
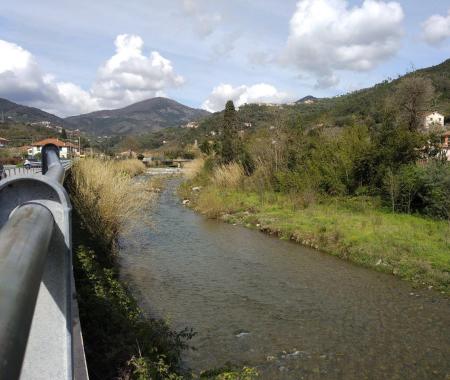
(148, 115)
(25, 114)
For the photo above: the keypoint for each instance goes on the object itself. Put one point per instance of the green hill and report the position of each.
(363, 105)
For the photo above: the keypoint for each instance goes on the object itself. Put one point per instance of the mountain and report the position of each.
(307, 100)
(23, 114)
(146, 116)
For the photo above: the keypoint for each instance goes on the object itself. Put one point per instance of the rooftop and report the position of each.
(54, 141)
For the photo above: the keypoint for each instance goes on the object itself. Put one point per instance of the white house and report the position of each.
(66, 149)
(3, 142)
(191, 125)
(434, 119)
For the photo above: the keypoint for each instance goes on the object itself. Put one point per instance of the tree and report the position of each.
(130, 143)
(412, 97)
(230, 138)
(64, 134)
(206, 147)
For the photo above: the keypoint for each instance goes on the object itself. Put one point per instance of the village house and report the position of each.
(191, 125)
(433, 119)
(3, 142)
(66, 149)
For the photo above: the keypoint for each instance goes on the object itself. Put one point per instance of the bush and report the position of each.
(435, 194)
(422, 189)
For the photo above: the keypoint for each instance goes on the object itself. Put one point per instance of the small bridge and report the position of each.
(40, 334)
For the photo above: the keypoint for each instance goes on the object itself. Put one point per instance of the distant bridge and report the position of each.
(40, 334)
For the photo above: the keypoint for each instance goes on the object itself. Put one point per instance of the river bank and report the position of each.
(120, 341)
(411, 247)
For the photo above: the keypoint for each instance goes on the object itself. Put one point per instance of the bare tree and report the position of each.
(413, 96)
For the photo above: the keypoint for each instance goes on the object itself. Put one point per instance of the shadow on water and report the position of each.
(288, 310)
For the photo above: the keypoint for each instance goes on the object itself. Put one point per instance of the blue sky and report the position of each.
(64, 57)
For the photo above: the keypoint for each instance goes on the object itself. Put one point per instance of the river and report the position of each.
(292, 312)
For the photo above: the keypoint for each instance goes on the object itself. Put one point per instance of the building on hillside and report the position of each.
(73, 133)
(3, 142)
(66, 149)
(433, 119)
(44, 123)
(191, 125)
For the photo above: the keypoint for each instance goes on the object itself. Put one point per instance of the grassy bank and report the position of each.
(357, 229)
(119, 341)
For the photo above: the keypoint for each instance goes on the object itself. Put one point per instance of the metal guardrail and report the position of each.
(20, 170)
(37, 322)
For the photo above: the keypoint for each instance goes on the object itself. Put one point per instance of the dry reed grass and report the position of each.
(107, 197)
(229, 176)
(128, 167)
(194, 167)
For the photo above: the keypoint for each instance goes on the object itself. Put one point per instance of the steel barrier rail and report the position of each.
(51, 166)
(36, 277)
(11, 171)
(24, 242)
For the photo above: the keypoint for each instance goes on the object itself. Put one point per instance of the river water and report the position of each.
(292, 312)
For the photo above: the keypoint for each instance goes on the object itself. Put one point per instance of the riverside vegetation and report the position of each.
(377, 195)
(120, 342)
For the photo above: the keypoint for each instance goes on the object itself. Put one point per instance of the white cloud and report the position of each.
(128, 76)
(21, 80)
(257, 93)
(204, 23)
(329, 35)
(436, 29)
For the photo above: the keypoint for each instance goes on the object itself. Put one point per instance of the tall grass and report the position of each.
(192, 168)
(229, 176)
(128, 167)
(106, 196)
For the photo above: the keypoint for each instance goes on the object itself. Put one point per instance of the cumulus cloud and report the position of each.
(257, 93)
(204, 23)
(128, 76)
(329, 35)
(436, 29)
(22, 80)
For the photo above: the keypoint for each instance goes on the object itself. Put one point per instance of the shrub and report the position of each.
(422, 189)
(435, 192)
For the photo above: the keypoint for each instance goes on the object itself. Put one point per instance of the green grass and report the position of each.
(409, 246)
